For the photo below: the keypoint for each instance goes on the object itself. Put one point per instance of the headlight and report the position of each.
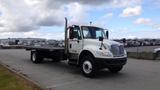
(105, 53)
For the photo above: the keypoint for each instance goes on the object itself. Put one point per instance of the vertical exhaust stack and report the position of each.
(66, 40)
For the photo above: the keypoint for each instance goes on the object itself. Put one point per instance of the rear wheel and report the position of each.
(115, 69)
(88, 66)
(56, 60)
(35, 57)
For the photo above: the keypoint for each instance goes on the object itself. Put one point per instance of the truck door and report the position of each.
(75, 42)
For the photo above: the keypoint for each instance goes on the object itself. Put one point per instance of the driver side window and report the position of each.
(86, 33)
(75, 33)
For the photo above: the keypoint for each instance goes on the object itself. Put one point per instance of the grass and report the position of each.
(11, 81)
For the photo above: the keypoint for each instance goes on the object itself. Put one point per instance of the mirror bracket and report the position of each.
(101, 38)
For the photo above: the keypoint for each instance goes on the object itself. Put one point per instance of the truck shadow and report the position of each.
(106, 74)
(75, 71)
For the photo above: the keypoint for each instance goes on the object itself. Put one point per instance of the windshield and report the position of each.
(92, 32)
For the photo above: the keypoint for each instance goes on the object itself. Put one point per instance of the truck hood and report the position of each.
(94, 46)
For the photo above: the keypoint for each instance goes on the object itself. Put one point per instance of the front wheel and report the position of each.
(115, 69)
(88, 66)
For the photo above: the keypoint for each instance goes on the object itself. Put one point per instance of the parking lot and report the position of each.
(136, 75)
(142, 48)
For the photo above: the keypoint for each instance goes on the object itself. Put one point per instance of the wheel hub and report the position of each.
(34, 57)
(87, 67)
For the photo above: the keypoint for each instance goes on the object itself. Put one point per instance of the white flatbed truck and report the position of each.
(87, 47)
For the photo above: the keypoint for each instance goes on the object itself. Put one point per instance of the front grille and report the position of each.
(117, 50)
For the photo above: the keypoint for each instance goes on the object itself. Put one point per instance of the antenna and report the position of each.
(90, 23)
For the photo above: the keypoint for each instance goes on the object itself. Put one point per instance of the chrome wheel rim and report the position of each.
(87, 67)
(34, 57)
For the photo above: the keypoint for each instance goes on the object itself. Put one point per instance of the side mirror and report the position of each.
(107, 34)
(100, 38)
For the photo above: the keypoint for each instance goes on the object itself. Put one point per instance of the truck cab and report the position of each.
(90, 48)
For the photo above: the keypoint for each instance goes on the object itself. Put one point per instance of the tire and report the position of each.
(56, 60)
(35, 57)
(115, 69)
(88, 66)
(157, 56)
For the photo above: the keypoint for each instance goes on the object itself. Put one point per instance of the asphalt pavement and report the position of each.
(136, 75)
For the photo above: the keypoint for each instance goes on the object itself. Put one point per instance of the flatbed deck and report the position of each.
(43, 48)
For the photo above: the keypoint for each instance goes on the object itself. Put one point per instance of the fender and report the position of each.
(89, 49)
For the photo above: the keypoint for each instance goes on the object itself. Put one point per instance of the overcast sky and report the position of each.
(45, 18)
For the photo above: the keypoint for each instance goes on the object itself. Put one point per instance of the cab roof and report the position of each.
(87, 26)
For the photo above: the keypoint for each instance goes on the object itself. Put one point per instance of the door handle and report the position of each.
(77, 41)
(70, 45)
